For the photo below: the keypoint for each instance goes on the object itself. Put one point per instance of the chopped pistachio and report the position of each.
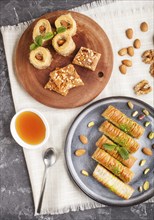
(140, 189)
(130, 105)
(146, 185)
(84, 172)
(141, 117)
(151, 135)
(146, 112)
(146, 170)
(142, 162)
(91, 124)
(147, 123)
(135, 113)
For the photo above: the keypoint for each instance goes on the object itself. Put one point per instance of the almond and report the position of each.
(147, 151)
(129, 33)
(123, 69)
(83, 139)
(122, 52)
(130, 51)
(127, 63)
(144, 26)
(80, 152)
(137, 44)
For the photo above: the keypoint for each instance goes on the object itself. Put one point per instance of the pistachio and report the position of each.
(140, 189)
(142, 162)
(83, 139)
(137, 44)
(130, 51)
(146, 185)
(130, 105)
(146, 112)
(147, 123)
(91, 124)
(80, 152)
(127, 63)
(135, 113)
(141, 117)
(147, 151)
(84, 172)
(129, 33)
(151, 135)
(122, 52)
(144, 26)
(146, 171)
(123, 69)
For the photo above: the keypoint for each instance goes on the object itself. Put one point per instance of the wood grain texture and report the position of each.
(33, 80)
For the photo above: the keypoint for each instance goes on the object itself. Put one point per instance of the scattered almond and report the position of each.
(127, 63)
(84, 172)
(129, 33)
(80, 152)
(137, 44)
(134, 113)
(144, 26)
(130, 51)
(122, 52)
(123, 69)
(147, 151)
(83, 139)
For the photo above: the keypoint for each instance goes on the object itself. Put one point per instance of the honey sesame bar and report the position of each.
(63, 79)
(87, 58)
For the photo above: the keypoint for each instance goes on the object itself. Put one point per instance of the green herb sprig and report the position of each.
(121, 150)
(39, 39)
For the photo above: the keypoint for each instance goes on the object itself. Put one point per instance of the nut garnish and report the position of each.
(146, 171)
(130, 105)
(146, 112)
(146, 185)
(130, 51)
(144, 26)
(127, 63)
(137, 44)
(152, 69)
(142, 87)
(140, 189)
(84, 172)
(147, 123)
(123, 69)
(142, 162)
(39, 56)
(83, 139)
(151, 135)
(141, 117)
(148, 56)
(147, 151)
(129, 33)
(91, 124)
(135, 113)
(122, 52)
(80, 152)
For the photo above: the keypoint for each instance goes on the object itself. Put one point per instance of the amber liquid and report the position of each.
(30, 128)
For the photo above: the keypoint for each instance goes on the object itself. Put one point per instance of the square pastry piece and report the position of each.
(87, 58)
(63, 79)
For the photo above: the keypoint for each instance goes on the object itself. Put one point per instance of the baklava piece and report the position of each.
(87, 58)
(63, 79)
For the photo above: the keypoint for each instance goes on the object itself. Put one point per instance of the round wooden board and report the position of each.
(90, 35)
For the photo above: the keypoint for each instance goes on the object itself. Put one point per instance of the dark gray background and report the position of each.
(16, 197)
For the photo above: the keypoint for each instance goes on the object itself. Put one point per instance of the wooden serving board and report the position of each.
(90, 35)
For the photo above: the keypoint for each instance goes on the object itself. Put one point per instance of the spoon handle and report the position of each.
(42, 191)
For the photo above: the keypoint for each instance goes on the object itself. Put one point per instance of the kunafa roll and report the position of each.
(41, 28)
(40, 58)
(63, 44)
(119, 137)
(113, 165)
(68, 22)
(112, 182)
(123, 122)
(114, 153)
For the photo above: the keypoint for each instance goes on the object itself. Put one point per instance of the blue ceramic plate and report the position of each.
(75, 164)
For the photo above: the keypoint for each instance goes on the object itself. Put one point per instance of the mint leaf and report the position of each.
(33, 46)
(123, 152)
(109, 146)
(48, 36)
(61, 29)
(38, 40)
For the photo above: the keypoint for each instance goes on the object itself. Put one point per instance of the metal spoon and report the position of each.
(49, 159)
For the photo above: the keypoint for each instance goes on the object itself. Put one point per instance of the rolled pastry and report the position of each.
(113, 165)
(112, 182)
(119, 137)
(41, 28)
(114, 153)
(40, 58)
(63, 44)
(68, 22)
(123, 122)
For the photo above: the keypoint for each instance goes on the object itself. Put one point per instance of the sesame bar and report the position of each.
(87, 58)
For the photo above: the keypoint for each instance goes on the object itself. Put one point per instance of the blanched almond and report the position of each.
(80, 152)
(129, 33)
(123, 69)
(137, 44)
(83, 139)
(127, 63)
